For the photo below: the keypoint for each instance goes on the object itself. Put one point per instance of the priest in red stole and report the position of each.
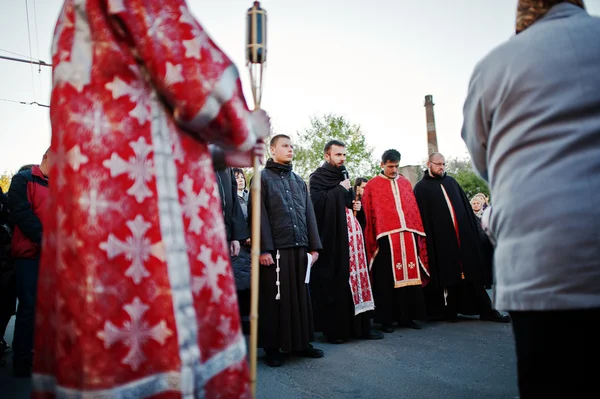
(136, 295)
(396, 248)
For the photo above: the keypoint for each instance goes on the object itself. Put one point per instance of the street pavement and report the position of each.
(465, 360)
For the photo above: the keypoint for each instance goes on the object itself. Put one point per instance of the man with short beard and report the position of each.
(340, 284)
(288, 233)
(396, 247)
(455, 248)
(532, 126)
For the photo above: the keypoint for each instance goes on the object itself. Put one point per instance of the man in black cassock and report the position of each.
(336, 314)
(288, 233)
(455, 248)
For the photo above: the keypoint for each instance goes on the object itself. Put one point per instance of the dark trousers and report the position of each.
(556, 352)
(244, 303)
(27, 276)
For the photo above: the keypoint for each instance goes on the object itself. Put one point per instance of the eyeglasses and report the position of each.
(439, 164)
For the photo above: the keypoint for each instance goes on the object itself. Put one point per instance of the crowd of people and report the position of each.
(118, 245)
(339, 259)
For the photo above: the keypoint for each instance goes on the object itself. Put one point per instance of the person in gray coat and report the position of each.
(532, 127)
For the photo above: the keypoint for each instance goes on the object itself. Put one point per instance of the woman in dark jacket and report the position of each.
(242, 263)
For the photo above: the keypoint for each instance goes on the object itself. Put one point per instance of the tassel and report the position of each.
(278, 283)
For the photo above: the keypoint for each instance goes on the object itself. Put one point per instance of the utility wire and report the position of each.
(39, 62)
(37, 43)
(25, 103)
(30, 52)
(37, 37)
(13, 53)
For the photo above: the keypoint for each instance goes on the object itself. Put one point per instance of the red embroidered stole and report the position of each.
(360, 284)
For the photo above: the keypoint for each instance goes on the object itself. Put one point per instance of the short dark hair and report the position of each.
(276, 138)
(240, 171)
(390, 156)
(332, 143)
(359, 181)
(25, 167)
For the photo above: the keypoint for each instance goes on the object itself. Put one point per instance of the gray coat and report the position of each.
(532, 126)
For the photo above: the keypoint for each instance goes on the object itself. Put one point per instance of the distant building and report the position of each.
(432, 145)
(413, 173)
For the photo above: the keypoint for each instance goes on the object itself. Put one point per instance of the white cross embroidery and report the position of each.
(134, 333)
(136, 95)
(137, 248)
(138, 168)
(173, 74)
(192, 202)
(212, 271)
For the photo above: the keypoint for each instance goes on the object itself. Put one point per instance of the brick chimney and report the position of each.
(432, 145)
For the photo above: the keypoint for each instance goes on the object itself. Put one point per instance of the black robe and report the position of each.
(330, 289)
(286, 323)
(448, 259)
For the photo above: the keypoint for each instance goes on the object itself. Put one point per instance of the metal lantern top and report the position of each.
(256, 42)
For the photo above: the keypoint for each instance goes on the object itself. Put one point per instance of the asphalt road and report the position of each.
(468, 359)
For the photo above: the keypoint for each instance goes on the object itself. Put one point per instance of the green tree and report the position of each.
(462, 170)
(309, 144)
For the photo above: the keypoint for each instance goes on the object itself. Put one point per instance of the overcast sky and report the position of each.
(371, 61)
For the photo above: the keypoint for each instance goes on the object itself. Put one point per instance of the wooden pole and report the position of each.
(255, 67)
(256, 206)
(256, 203)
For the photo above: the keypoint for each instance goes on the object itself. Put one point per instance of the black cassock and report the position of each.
(330, 289)
(452, 257)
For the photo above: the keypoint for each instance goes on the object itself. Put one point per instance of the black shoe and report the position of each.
(495, 316)
(409, 324)
(335, 341)
(3, 345)
(387, 328)
(373, 335)
(312, 352)
(273, 358)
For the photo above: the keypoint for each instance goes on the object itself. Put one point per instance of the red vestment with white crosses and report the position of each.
(136, 294)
